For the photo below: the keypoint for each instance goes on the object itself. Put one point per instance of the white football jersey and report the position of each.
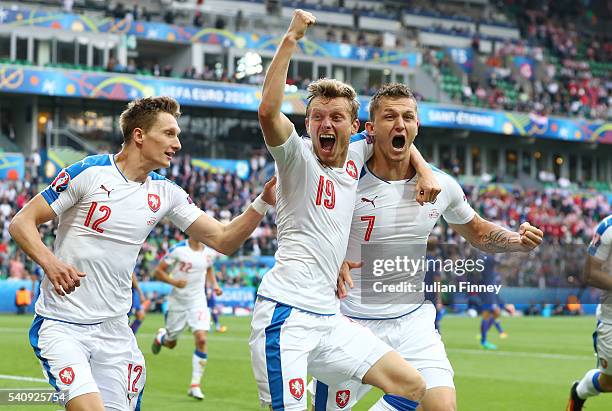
(103, 221)
(386, 212)
(189, 265)
(314, 206)
(601, 248)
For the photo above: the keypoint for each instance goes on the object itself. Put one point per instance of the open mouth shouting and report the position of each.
(327, 143)
(398, 142)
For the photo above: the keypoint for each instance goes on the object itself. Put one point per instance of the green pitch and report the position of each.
(532, 370)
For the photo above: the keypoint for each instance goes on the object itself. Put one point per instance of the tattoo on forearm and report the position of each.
(496, 240)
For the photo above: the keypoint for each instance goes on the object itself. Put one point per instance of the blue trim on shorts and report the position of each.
(34, 330)
(273, 355)
(400, 403)
(321, 393)
(138, 403)
(297, 308)
(385, 318)
(595, 343)
(67, 322)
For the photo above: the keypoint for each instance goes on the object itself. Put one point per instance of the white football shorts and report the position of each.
(197, 319)
(287, 343)
(415, 337)
(78, 359)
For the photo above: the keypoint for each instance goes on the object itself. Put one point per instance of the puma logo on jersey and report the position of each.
(367, 200)
(106, 189)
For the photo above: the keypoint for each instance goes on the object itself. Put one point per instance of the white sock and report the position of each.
(198, 363)
(589, 386)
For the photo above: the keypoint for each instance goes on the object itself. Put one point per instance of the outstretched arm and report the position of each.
(227, 238)
(275, 125)
(493, 238)
(595, 275)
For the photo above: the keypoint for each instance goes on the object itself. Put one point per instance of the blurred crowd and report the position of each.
(567, 219)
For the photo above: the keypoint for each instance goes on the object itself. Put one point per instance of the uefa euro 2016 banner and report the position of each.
(176, 34)
(123, 87)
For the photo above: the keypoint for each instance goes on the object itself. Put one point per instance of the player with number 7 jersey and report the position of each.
(107, 205)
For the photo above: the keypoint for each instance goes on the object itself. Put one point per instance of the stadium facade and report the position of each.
(65, 78)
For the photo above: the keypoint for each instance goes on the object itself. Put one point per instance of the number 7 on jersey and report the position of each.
(370, 219)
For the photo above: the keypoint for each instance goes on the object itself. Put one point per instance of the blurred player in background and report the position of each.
(598, 273)
(214, 310)
(491, 305)
(188, 268)
(297, 328)
(386, 212)
(107, 205)
(138, 305)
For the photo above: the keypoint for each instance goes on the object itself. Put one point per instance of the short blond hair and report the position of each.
(329, 88)
(142, 113)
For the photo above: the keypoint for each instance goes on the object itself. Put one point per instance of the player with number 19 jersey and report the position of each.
(313, 211)
(103, 221)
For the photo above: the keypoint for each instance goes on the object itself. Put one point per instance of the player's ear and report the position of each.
(355, 126)
(137, 135)
(369, 126)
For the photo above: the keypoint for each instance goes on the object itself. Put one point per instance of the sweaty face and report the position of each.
(394, 127)
(330, 127)
(160, 143)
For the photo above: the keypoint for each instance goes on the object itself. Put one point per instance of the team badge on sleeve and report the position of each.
(296, 388)
(154, 202)
(351, 169)
(342, 398)
(61, 182)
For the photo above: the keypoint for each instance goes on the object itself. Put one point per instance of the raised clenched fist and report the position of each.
(300, 22)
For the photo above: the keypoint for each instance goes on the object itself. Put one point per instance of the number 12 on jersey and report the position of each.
(106, 212)
(370, 219)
